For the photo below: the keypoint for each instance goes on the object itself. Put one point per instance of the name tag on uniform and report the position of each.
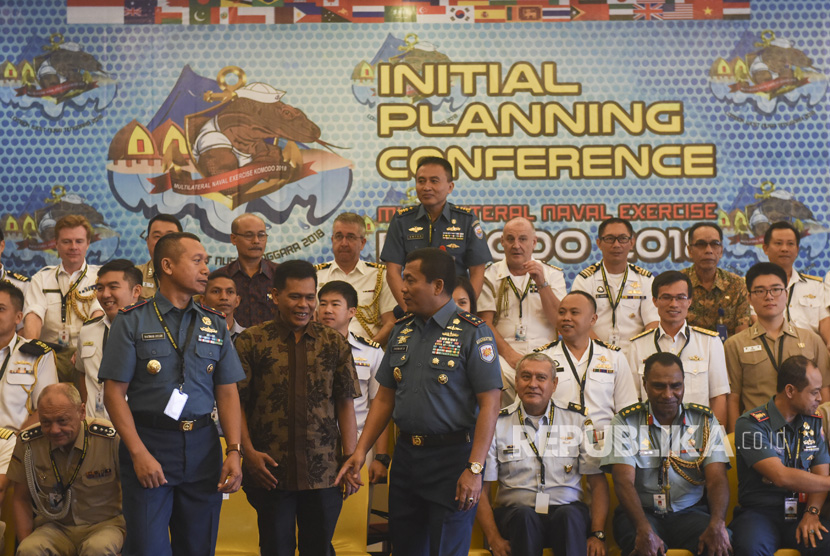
(749, 349)
(153, 336)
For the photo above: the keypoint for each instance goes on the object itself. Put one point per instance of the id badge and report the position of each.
(614, 338)
(175, 405)
(99, 401)
(521, 332)
(660, 506)
(542, 502)
(790, 509)
(63, 337)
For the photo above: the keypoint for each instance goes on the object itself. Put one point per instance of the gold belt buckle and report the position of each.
(417, 440)
(186, 426)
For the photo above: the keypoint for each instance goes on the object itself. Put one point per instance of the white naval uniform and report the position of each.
(512, 462)
(609, 385)
(807, 301)
(704, 363)
(47, 304)
(539, 330)
(29, 368)
(367, 356)
(18, 280)
(635, 309)
(88, 361)
(373, 292)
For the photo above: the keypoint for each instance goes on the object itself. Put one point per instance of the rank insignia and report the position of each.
(453, 245)
(453, 228)
(415, 229)
(206, 320)
(456, 321)
(695, 358)
(397, 374)
(568, 468)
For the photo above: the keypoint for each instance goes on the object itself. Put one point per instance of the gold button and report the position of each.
(443, 379)
(435, 361)
(451, 363)
(153, 367)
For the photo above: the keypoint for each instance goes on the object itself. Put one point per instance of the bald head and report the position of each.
(249, 237)
(61, 414)
(60, 392)
(518, 240)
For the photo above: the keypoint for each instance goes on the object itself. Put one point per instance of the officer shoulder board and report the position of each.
(697, 407)
(99, 318)
(645, 333)
(135, 305)
(590, 271)
(35, 347)
(759, 415)
(374, 265)
(640, 270)
(31, 433)
(211, 310)
(471, 318)
(633, 408)
(504, 411)
(404, 318)
(465, 210)
(545, 347)
(808, 277)
(367, 341)
(552, 266)
(704, 331)
(612, 347)
(576, 407)
(322, 266)
(102, 427)
(5, 434)
(404, 210)
(17, 276)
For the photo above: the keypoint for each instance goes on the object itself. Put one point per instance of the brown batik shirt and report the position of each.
(728, 293)
(289, 399)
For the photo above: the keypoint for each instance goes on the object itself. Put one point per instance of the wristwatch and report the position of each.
(385, 459)
(598, 534)
(813, 510)
(475, 467)
(233, 448)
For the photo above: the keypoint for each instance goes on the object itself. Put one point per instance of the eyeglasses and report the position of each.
(700, 244)
(351, 238)
(761, 292)
(250, 236)
(622, 240)
(666, 298)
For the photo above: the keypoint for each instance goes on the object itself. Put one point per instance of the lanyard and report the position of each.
(178, 349)
(580, 381)
(521, 297)
(533, 444)
(657, 346)
(8, 357)
(791, 462)
(769, 351)
(63, 487)
(65, 296)
(614, 303)
(789, 299)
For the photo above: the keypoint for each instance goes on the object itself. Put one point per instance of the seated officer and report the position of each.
(663, 453)
(73, 465)
(520, 300)
(700, 349)
(782, 462)
(531, 511)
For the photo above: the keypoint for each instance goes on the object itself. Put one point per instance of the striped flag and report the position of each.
(678, 10)
(491, 14)
(368, 14)
(734, 9)
(94, 11)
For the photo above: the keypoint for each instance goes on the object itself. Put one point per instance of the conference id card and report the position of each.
(542, 502)
(790, 509)
(175, 405)
(660, 504)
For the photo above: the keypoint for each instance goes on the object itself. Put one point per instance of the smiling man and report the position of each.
(159, 226)
(298, 417)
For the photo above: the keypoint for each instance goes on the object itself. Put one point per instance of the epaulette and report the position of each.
(375, 265)
(405, 318)
(633, 408)
(640, 270)
(643, 333)
(93, 320)
(31, 433)
(322, 266)
(817, 414)
(35, 347)
(704, 331)
(471, 318)
(808, 277)
(590, 271)
(102, 427)
(546, 346)
(129, 308)
(504, 411)
(553, 266)
(367, 341)
(576, 407)
(702, 408)
(17, 276)
(759, 415)
(466, 210)
(612, 347)
(210, 309)
(5, 434)
(404, 210)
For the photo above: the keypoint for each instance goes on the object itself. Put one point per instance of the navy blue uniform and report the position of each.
(457, 231)
(436, 369)
(759, 527)
(139, 352)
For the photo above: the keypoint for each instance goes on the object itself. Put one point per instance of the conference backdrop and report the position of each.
(566, 113)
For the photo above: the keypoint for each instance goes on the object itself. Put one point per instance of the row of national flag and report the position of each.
(222, 12)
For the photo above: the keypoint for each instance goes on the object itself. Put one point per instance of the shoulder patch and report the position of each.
(404, 210)
(35, 347)
(697, 407)
(645, 333)
(546, 346)
(759, 415)
(31, 433)
(553, 266)
(471, 318)
(135, 305)
(809, 277)
(20, 277)
(210, 310)
(367, 341)
(590, 271)
(640, 270)
(704, 331)
(322, 266)
(405, 318)
(375, 265)
(100, 428)
(612, 347)
(99, 318)
(576, 407)
(633, 408)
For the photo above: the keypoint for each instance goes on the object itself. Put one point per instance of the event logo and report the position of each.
(216, 150)
(767, 73)
(30, 234)
(414, 53)
(51, 75)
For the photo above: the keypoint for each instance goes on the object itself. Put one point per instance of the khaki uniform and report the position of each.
(148, 279)
(94, 524)
(806, 301)
(88, 361)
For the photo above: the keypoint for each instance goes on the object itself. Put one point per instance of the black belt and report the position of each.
(449, 439)
(166, 423)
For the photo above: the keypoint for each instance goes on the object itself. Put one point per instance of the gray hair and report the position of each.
(537, 356)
